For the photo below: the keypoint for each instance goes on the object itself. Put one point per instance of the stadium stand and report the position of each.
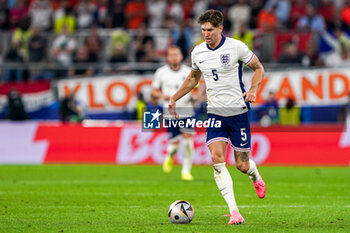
(60, 40)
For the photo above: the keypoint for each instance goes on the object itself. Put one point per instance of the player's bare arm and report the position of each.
(158, 94)
(190, 82)
(258, 75)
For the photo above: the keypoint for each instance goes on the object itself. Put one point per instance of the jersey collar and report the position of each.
(219, 45)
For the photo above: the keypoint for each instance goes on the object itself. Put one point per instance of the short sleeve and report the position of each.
(194, 66)
(156, 83)
(244, 53)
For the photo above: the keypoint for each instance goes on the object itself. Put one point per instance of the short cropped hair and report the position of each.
(173, 47)
(215, 17)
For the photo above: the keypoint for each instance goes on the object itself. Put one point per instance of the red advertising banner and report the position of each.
(125, 143)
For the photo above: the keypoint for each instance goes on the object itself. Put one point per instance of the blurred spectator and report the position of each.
(37, 46)
(337, 22)
(199, 7)
(187, 8)
(218, 5)
(4, 15)
(59, 4)
(55, 4)
(313, 57)
(116, 14)
(340, 43)
(118, 54)
(143, 44)
(311, 21)
(101, 13)
(245, 35)
(345, 12)
(327, 11)
(282, 10)
(140, 106)
(82, 64)
(59, 8)
(175, 12)
(135, 12)
(290, 114)
(40, 13)
(256, 7)
(291, 54)
(297, 11)
(267, 19)
(269, 111)
(14, 56)
(239, 14)
(85, 17)
(149, 56)
(37, 54)
(18, 12)
(16, 110)
(183, 37)
(156, 9)
(119, 46)
(63, 48)
(70, 110)
(22, 35)
(65, 19)
(94, 44)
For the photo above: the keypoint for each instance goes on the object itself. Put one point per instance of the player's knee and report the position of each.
(243, 166)
(217, 158)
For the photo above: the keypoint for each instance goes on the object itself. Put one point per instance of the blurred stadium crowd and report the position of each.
(42, 39)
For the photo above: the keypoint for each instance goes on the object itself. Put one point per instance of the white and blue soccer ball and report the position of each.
(180, 212)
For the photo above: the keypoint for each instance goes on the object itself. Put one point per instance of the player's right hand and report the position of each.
(172, 106)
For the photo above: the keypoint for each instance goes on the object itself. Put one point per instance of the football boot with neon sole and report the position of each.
(168, 164)
(186, 176)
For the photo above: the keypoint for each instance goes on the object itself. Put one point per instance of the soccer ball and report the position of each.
(180, 212)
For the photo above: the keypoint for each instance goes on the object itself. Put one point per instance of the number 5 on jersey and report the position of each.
(215, 74)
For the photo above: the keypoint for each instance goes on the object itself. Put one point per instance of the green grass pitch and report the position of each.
(94, 198)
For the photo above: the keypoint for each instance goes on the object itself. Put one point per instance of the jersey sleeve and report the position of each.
(194, 65)
(156, 83)
(244, 53)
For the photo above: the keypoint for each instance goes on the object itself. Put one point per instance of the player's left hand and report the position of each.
(172, 106)
(250, 96)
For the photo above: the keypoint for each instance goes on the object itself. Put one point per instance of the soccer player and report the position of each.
(167, 80)
(220, 61)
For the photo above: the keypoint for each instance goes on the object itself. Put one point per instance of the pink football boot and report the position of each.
(235, 218)
(260, 188)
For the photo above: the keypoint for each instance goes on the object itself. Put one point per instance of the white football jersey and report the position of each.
(169, 81)
(222, 71)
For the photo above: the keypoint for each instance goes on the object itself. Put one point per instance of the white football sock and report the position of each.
(224, 182)
(188, 155)
(253, 172)
(172, 149)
